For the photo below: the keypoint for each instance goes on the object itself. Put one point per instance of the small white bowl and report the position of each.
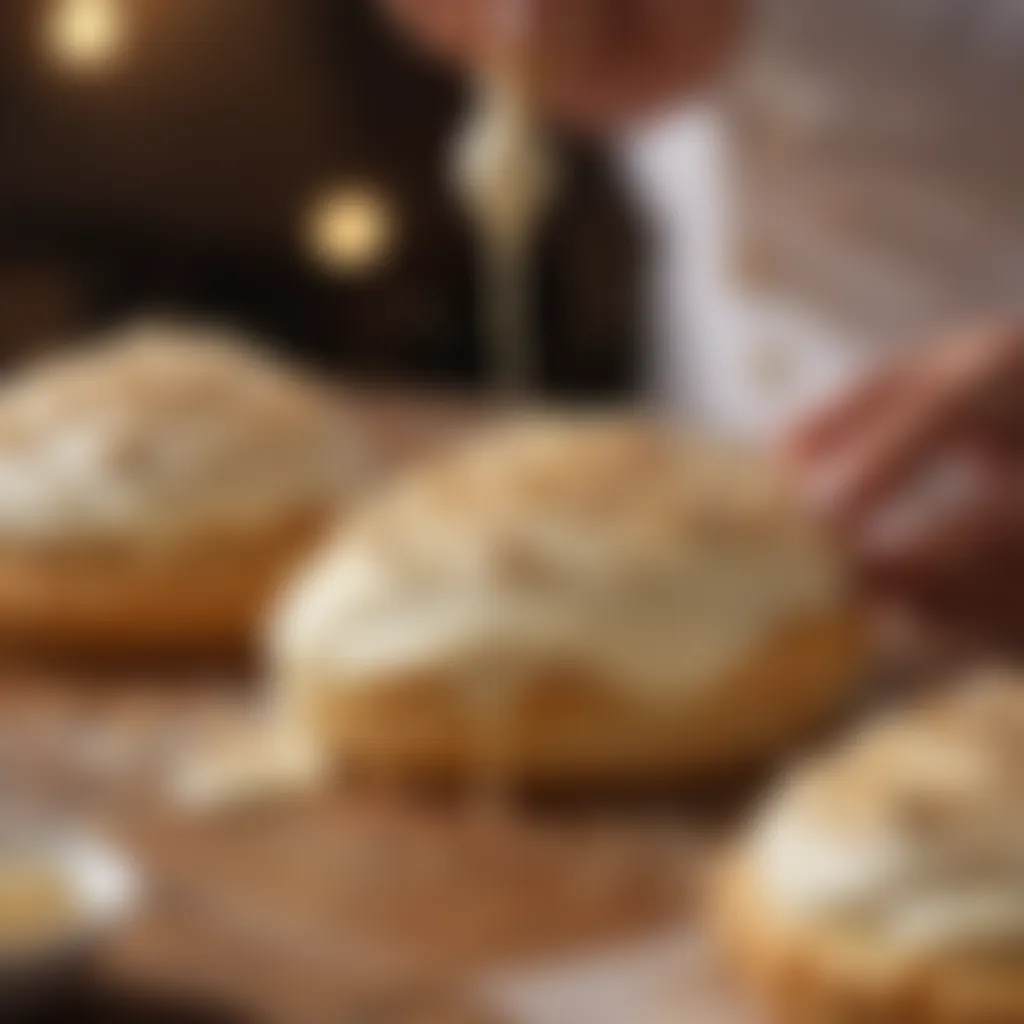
(103, 889)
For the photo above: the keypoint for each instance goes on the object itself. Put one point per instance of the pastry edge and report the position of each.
(806, 974)
(571, 726)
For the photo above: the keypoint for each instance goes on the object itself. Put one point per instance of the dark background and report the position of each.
(176, 178)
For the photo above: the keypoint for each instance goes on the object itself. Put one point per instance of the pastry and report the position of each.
(885, 881)
(154, 487)
(570, 598)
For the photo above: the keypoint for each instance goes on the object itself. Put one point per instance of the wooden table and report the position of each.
(337, 904)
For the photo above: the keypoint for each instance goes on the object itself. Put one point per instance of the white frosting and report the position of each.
(160, 434)
(658, 563)
(256, 763)
(915, 832)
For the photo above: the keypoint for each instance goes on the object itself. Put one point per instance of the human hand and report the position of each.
(921, 471)
(594, 62)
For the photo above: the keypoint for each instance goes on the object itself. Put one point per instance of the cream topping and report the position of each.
(914, 831)
(160, 434)
(657, 561)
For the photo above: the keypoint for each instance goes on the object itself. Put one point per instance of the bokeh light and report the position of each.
(85, 33)
(351, 229)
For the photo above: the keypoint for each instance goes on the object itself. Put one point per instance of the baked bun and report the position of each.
(885, 882)
(154, 488)
(575, 599)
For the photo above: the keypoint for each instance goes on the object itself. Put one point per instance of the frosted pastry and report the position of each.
(570, 598)
(154, 488)
(885, 881)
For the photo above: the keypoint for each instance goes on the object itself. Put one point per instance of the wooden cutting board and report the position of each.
(358, 903)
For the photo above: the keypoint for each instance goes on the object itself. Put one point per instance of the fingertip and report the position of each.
(448, 28)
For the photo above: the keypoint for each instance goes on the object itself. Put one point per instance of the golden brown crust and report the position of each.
(809, 974)
(568, 726)
(106, 603)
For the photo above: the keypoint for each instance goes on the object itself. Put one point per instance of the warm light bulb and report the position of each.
(351, 229)
(85, 33)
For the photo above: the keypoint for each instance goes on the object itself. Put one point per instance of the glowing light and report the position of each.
(351, 229)
(85, 33)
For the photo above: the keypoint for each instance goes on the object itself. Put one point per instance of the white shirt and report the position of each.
(857, 187)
